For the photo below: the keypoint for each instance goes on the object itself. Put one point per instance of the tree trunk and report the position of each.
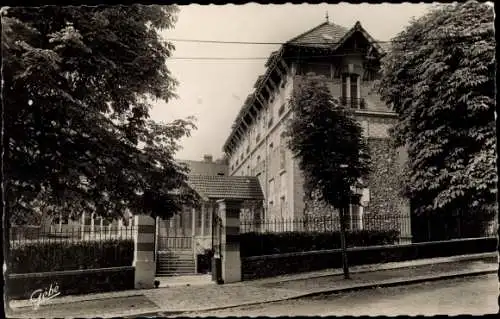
(343, 244)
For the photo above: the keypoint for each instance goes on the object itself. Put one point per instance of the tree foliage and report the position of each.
(324, 137)
(78, 83)
(444, 93)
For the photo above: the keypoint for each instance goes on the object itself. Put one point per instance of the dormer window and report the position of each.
(271, 98)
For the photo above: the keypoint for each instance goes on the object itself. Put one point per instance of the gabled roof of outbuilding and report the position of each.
(226, 187)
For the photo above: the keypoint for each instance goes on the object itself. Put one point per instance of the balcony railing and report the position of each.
(353, 103)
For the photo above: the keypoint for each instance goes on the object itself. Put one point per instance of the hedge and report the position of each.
(258, 244)
(56, 256)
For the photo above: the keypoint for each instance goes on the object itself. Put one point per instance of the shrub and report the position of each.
(55, 256)
(257, 244)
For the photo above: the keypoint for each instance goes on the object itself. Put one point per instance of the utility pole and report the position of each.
(343, 211)
(343, 245)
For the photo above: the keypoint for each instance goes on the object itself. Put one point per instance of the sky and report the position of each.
(214, 90)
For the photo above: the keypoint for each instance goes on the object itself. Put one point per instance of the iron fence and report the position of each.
(324, 224)
(22, 235)
(431, 229)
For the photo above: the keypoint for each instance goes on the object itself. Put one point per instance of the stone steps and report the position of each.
(172, 263)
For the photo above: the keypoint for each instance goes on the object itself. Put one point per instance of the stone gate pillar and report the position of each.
(144, 255)
(229, 212)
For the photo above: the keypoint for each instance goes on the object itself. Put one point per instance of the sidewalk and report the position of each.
(183, 299)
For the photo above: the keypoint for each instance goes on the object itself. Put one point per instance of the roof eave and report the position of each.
(275, 56)
(197, 192)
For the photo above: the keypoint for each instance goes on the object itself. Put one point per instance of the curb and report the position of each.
(386, 283)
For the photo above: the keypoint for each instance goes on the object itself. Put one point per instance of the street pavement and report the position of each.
(471, 295)
(182, 299)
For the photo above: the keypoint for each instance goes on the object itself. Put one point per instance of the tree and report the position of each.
(78, 86)
(440, 79)
(328, 143)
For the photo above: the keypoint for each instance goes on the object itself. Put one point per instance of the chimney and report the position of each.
(207, 158)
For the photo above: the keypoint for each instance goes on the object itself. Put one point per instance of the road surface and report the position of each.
(476, 295)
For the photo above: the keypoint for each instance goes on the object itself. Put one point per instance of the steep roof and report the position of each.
(205, 168)
(226, 187)
(329, 35)
(322, 36)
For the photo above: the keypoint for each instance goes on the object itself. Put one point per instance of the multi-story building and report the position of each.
(207, 166)
(349, 60)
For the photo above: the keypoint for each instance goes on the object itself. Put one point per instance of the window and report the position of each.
(257, 138)
(350, 90)
(270, 123)
(257, 165)
(271, 98)
(198, 222)
(270, 112)
(271, 191)
(207, 223)
(282, 152)
(283, 184)
(344, 85)
(285, 214)
(281, 109)
(354, 86)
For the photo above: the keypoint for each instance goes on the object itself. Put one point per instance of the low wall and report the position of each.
(275, 265)
(72, 282)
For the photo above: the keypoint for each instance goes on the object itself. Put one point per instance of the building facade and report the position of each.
(207, 166)
(349, 60)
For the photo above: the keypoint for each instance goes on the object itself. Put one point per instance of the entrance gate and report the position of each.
(173, 238)
(174, 248)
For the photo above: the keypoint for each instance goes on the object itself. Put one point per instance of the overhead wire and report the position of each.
(312, 43)
(258, 58)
